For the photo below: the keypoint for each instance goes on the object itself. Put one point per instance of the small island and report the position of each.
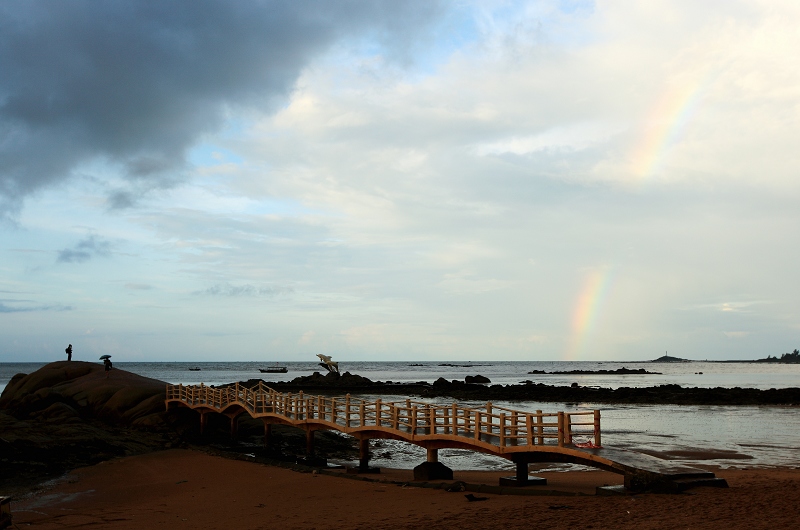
(668, 359)
(786, 358)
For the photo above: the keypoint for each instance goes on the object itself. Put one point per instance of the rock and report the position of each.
(477, 379)
(67, 414)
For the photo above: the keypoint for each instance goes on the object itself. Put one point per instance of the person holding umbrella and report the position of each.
(107, 363)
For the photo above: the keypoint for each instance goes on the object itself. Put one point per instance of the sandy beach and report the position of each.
(192, 489)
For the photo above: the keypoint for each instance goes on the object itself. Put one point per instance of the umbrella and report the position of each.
(105, 357)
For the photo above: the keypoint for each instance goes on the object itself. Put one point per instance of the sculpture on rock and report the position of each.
(328, 364)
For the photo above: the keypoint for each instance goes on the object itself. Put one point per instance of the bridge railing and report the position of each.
(491, 424)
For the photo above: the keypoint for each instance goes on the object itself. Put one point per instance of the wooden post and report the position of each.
(568, 428)
(514, 428)
(395, 419)
(378, 412)
(202, 422)
(414, 420)
(446, 420)
(455, 419)
(502, 429)
(477, 425)
(298, 406)
(597, 428)
(561, 429)
(347, 411)
(362, 413)
(429, 419)
(539, 428)
(529, 429)
(433, 455)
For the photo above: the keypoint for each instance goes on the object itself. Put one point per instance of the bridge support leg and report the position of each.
(522, 478)
(309, 444)
(202, 422)
(363, 459)
(310, 459)
(267, 434)
(433, 469)
(234, 427)
(363, 454)
(433, 455)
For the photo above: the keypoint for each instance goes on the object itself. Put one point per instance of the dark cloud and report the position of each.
(136, 83)
(85, 250)
(226, 289)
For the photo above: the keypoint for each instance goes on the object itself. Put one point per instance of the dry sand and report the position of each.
(192, 489)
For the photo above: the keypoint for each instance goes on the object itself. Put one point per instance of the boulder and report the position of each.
(67, 414)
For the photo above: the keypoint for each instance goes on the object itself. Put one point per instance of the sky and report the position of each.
(382, 180)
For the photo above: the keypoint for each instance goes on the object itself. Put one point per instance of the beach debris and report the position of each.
(472, 498)
(456, 487)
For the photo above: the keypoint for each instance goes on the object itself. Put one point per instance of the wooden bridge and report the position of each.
(522, 437)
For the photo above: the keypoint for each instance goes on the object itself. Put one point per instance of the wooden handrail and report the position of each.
(492, 424)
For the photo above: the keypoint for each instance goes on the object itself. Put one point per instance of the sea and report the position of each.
(718, 435)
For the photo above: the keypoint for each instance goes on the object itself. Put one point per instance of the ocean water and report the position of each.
(742, 436)
(693, 374)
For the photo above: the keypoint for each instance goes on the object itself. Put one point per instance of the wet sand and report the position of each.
(192, 489)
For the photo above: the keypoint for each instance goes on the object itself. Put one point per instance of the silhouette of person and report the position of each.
(69, 352)
(107, 364)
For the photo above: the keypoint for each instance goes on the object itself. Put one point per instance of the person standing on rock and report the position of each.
(69, 352)
(107, 364)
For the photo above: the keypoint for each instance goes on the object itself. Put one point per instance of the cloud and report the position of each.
(138, 286)
(226, 289)
(135, 84)
(736, 334)
(4, 308)
(85, 250)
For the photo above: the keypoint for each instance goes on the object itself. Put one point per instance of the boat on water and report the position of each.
(274, 370)
(196, 369)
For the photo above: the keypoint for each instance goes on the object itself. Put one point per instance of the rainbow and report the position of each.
(665, 125)
(589, 302)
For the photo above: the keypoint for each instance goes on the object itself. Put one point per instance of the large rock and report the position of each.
(123, 397)
(67, 414)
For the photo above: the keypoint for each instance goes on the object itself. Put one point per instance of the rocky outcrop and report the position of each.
(618, 371)
(67, 414)
(81, 389)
